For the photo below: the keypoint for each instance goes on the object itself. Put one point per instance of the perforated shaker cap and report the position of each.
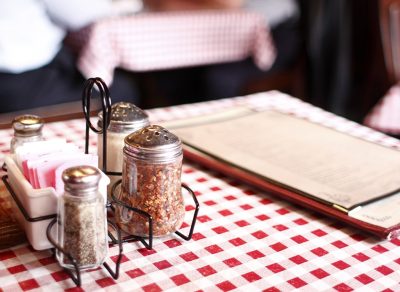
(27, 125)
(153, 143)
(83, 178)
(125, 117)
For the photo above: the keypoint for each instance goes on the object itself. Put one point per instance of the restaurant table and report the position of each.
(244, 239)
(166, 40)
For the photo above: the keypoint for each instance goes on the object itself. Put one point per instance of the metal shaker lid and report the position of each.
(81, 178)
(27, 125)
(154, 143)
(125, 116)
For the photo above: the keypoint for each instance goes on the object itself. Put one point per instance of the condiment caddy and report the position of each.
(149, 202)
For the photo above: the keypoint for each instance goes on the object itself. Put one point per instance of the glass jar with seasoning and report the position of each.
(125, 118)
(151, 182)
(82, 221)
(27, 128)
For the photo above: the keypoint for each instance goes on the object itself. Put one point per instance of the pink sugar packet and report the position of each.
(39, 147)
(31, 164)
(45, 172)
(43, 153)
(42, 162)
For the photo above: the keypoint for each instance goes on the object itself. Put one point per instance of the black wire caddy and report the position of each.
(117, 239)
(106, 111)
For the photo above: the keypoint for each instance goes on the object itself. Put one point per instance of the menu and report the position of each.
(330, 167)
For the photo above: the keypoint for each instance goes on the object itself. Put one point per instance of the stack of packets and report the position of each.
(43, 162)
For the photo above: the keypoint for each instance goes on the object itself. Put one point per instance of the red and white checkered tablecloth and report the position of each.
(244, 239)
(385, 116)
(164, 40)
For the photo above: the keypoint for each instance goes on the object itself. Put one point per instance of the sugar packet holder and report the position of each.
(34, 208)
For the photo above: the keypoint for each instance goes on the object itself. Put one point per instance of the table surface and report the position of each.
(243, 239)
(165, 40)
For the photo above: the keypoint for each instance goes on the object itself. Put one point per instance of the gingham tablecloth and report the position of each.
(244, 240)
(164, 40)
(385, 116)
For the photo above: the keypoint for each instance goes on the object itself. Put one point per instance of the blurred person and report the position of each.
(36, 68)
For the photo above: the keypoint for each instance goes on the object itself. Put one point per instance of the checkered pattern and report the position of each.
(244, 239)
(385, 116)
(153, 41)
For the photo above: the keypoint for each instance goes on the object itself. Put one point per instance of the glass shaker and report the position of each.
(151, 182)
(125, 119)
(27, 128)
(82, 221)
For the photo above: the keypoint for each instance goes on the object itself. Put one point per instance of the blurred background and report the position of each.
(328, 53)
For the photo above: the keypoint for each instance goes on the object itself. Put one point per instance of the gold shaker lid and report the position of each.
(83, 177)
(27, 125)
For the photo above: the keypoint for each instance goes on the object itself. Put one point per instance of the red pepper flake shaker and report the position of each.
(151, 182)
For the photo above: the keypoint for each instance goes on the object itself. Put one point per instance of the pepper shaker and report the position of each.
(82, 220)
(125, 118)
(151, 182)
(27, 128)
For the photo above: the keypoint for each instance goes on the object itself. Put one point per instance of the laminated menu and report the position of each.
(332, 172)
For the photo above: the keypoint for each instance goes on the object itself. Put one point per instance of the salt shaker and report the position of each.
(125, 118)
(82, 221)
(151, 182)
(27, 128)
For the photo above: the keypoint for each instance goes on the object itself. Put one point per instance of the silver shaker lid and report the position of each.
(27, 125)
(125, 116)
(154, 143)
(81, 178)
